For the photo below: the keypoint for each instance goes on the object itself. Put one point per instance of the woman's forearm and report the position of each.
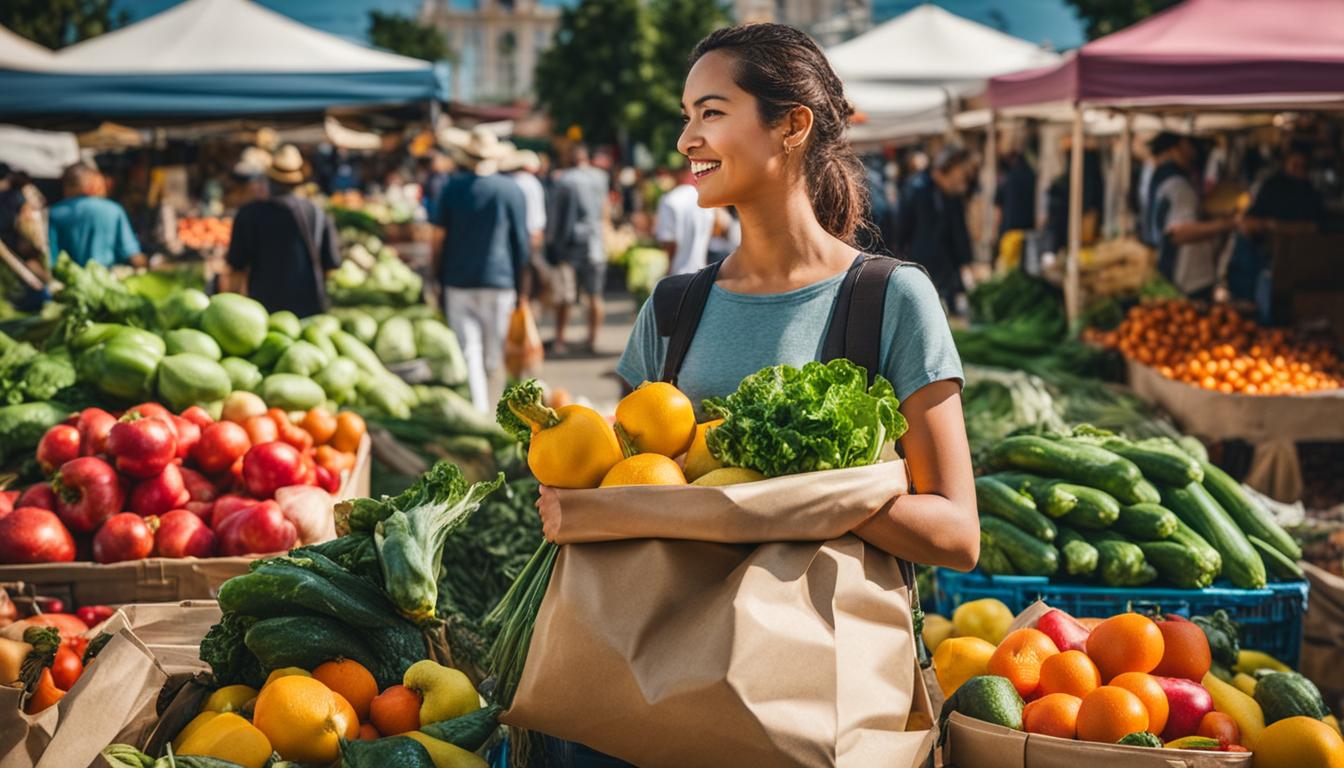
(925, 528)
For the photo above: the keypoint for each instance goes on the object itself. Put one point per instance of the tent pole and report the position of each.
(991, 177)
(1126, 173)
(1072, 301)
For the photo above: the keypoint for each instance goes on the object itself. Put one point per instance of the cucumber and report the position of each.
(307, 641)
(469, 731)
(1276, 563)
(277, 586)
(1072, 460)
(1029, 555)
(1080, 558)
(1192, 504)
(1193, 448)
(1178, 564)
(1095, 509)
(1146, 522)
(389, 752)
(1051, 496)
(1208, 557)
(1158, 460)
(1144, 493)
(1120, 563)
(997, 499)
(1249, 516)
(992, 559)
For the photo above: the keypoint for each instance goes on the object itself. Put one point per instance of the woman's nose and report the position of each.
(689, 138)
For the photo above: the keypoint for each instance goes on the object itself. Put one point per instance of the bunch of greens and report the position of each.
(92, 294)
(408, 532)
(784, 420)
(27, 375)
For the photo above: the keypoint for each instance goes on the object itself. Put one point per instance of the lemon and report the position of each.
(987, 619)
(645, 469)
(729, 476)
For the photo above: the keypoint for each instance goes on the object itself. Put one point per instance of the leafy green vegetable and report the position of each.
(23, 426)
(522, 393)
(27, 375)
(784, 420)
(226, 653)
(409, 531)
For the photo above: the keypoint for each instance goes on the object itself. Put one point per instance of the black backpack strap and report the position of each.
(678, 302)
(855, 331)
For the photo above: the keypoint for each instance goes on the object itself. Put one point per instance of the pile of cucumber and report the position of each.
(1092, 505)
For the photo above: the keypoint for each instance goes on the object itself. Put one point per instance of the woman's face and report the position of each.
(733, 153)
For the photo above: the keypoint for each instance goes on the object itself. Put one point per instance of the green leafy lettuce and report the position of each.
(784, 420)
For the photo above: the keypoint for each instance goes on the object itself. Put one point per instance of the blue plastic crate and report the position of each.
(1270, 618)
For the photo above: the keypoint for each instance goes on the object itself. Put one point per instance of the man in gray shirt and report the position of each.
(585, 271)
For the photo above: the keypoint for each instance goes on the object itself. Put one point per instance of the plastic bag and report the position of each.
(523, 354)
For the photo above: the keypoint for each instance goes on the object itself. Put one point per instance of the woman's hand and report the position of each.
(548, 506)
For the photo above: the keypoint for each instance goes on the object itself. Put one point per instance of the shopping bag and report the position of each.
(523, 353)
(775, 637)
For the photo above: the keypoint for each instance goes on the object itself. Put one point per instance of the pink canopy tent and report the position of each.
(1201, 52)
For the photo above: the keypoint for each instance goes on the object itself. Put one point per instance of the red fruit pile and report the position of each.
(154, 483)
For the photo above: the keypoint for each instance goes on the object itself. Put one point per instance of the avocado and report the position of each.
(990, 698)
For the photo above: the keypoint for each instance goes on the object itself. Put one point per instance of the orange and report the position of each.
(1109, 714)
(1150, 692)
(1019, 658)
(350, 679)
(1185, 651)
(1052, 715)
(644, 469)
(304, 720)
(1069, 672)
(395, 710)
(368, 733)
(1125, 643)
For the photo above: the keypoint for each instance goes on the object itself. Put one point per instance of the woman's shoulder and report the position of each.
(909, 282)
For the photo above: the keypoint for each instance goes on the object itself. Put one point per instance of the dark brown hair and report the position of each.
(784, 69)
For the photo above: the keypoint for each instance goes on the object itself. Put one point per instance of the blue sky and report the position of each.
(1036, 20)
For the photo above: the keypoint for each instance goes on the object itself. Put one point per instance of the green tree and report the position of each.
(598, 71)
(58, 23)
(407, 36)
(678, 25)
(1103, 17)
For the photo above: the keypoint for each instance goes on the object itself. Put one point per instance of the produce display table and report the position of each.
(156, 579)
(1271, 619)
(1273, 424)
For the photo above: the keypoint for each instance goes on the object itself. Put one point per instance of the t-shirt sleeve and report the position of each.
(126, 243)
(642, 359)
(665, 222)
(919, 342)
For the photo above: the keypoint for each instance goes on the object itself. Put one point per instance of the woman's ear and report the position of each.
(798, 127)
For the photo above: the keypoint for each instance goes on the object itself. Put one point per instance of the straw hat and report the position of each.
(287, 165)
(253, 162)
(479, 150)
(520, 159)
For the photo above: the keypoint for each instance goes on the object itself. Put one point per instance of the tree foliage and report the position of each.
(407, 36)
(58, 23)
(1103, 17)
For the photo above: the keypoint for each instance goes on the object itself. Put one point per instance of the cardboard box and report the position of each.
(974, 743)
(155, 579)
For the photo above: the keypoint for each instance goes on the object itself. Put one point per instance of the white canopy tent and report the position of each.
(907, 75)
(18, 52)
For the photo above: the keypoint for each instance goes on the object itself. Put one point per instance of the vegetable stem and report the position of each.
(628, 448)
(535, 412)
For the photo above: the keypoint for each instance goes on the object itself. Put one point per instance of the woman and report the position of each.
(765, 121)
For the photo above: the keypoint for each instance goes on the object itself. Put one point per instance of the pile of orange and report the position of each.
(1217, 348)
(201, 232)
(1102, 694)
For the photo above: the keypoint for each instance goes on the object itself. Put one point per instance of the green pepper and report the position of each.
(123, 366)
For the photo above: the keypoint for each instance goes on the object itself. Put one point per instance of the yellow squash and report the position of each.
(658, 418)
(699, 461)
(645, 469)
(571, 446)
(229, 737)
(1240, 707)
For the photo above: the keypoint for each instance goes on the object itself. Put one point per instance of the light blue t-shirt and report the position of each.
(92, 229)
(741, 333)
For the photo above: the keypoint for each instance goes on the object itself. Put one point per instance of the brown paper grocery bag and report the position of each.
(722, 651)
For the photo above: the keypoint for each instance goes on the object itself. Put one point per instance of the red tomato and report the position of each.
(93, 425)
(59, 445)
(197, 415)
(143, 447)
(221, 444)
(88, 492)
(66, 669)
(271, 466)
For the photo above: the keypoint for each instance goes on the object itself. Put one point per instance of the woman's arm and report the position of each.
(937, 525)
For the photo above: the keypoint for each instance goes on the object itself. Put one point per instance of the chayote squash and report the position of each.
(243, 374)
(437, 342)
(324, 323)
(396, 341)
(285, 322)
(361, 325)
(339, 379)
(291, 392)
(237, 322)
(183, 308)
(320, 338)
(191, 340)
(270, 350)
(302, 358)
(187, 379)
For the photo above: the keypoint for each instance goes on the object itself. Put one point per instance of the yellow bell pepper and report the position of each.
(447, 755)
(958, 659)
(1244, 683)
(193, 726)
(1240, 707)
(1252, 661)
(229, 737)
(230, 698)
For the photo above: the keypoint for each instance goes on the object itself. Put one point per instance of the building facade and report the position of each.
(829, 21)
(497, 44)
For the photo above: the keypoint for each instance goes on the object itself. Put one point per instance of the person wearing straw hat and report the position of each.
(484, 251)
(282, 247)
(522, 166)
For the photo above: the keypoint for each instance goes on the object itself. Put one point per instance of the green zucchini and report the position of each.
(1095, 509)
(1080, 557)
(1146, 522)
(1287, 694)
(1241, 565)
(997, 499)
(307, 641)
(1249, 516)
(277, 588)
(1205, 555)
(1051, 496)
(1277, 564)
(1029, 555)
(993, 561)
(1193, 448)
(1177, 563)
(1120, 563)
(1072, 460)
(1158, 460)
(469, 731)
(1144, 493)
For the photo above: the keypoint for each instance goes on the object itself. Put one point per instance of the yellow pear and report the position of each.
(446, 755)
(729, 476)
(446, 692)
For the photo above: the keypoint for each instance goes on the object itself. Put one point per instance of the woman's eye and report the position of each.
(685, 119)
(711, 112)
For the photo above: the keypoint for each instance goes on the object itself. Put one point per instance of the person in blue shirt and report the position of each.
(88, 226)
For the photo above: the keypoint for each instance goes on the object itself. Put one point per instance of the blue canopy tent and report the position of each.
(213, 58)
